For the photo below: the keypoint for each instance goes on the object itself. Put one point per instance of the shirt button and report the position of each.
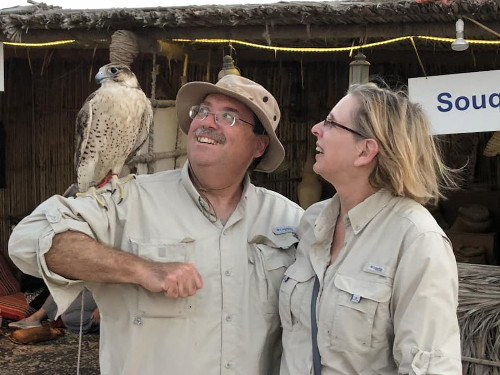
(227, 273)
(227, 365)
(229, 318)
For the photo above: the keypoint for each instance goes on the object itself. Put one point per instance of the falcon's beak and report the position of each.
(99, 77)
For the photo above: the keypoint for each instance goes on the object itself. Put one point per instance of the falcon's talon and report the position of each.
(101, 191)
(92, 192)
(100, 202)
(121, 186)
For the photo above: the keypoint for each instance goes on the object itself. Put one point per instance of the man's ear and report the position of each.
(261, 145)
(368, 150)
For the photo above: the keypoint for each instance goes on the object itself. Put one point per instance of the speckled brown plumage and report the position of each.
(111, 127)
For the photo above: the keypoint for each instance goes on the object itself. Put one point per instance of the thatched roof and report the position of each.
(300, 24)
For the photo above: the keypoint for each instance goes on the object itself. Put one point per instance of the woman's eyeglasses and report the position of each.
(331, 124)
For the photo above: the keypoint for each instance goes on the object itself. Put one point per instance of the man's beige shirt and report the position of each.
(231, 325)
(386, 306)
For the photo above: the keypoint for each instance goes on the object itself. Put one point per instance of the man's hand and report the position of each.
(174, 279)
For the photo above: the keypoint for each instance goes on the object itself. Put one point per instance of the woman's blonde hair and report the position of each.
(409, 162)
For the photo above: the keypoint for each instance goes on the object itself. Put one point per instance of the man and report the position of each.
(186, 270)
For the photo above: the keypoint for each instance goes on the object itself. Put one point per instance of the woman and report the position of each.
(387, 276)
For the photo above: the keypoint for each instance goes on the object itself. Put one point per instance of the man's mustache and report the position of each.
(210, 133)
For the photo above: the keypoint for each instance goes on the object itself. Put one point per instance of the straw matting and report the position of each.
(479, 318)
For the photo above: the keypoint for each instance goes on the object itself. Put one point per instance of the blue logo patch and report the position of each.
(283, 230)
(376, 268)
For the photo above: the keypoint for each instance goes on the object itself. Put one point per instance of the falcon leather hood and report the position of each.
(253, 95)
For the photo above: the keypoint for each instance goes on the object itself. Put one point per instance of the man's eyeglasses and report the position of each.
(223, 118)
(331, 124)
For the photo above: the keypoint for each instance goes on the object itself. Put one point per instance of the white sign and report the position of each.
(459, 103)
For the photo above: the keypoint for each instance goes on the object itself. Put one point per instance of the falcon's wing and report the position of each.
(143, 133)
(83, 124)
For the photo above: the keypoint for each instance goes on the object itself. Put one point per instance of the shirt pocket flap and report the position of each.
(164, 251)
(281, 241)
(275, 258)
(274, 250)
(375, 291)
(300, 271)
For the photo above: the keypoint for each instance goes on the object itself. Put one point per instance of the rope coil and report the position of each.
(124, 47)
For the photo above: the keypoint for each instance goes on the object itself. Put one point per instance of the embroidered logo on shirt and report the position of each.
(356, 298)
(376, 268)
(383, 270)
(283, 230)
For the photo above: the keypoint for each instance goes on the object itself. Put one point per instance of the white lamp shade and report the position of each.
(460, 44)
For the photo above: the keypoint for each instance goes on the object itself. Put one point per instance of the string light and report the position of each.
(471, 41)
(281, 49)
(47, 44)
(287, 49)
(331, 49)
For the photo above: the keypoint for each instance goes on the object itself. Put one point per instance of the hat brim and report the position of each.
(193, 93)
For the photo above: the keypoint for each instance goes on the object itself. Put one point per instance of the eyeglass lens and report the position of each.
(225, 118)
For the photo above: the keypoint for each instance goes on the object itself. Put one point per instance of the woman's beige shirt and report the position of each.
(386, 306)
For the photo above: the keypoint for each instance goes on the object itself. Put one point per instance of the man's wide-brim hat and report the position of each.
(253, 95)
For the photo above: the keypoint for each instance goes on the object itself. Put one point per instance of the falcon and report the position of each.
(111, 127)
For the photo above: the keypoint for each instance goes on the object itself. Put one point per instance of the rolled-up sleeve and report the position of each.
(32, 239)
(426, 330)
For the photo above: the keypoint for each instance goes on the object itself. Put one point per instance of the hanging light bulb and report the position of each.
(460, 44)
(228, 67)
(359, 69)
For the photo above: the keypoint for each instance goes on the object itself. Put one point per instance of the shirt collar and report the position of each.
(364, 212)
(359, 216)
(188, 184)
(195, 196)
(326, 220)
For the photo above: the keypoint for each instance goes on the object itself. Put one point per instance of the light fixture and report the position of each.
(460, 44)
(228, 67)
(359, 69)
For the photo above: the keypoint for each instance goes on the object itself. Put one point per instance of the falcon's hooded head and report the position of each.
(118, 73)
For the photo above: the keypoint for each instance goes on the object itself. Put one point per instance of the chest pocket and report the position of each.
(295, 295)
(268, 258)
(157, 305)
(358, 303)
